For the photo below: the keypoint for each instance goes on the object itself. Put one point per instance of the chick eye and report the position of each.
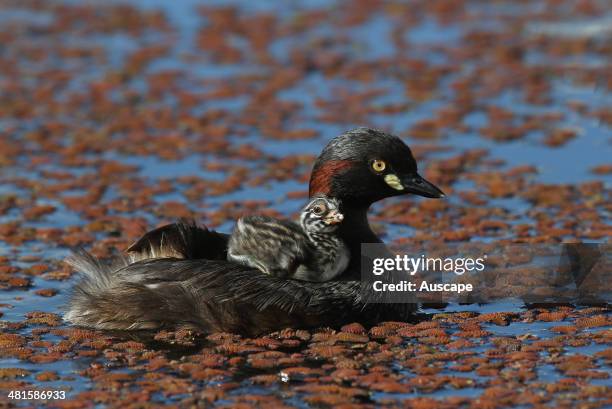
(379, 165)
(318, 209)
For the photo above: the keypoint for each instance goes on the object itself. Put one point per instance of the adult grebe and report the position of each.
(177, 275)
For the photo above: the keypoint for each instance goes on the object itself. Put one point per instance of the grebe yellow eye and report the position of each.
(379, 165)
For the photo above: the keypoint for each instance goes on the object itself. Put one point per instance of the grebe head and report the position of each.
(321, 214)
(365, 165)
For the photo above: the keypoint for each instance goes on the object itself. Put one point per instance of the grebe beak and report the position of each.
(417, 185)
(334, 217)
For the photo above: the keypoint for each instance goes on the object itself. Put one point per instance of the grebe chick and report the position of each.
(310, 251)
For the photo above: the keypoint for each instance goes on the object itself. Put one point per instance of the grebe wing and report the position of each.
(185, 240)
(264, 291)
(213, 295)
(231, 282)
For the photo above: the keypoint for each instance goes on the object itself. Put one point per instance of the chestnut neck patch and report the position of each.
(321, 178)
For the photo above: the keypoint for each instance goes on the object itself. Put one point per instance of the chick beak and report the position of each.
(417, 185)
(333, 217)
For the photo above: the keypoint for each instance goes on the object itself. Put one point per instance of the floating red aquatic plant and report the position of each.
(85, 172)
